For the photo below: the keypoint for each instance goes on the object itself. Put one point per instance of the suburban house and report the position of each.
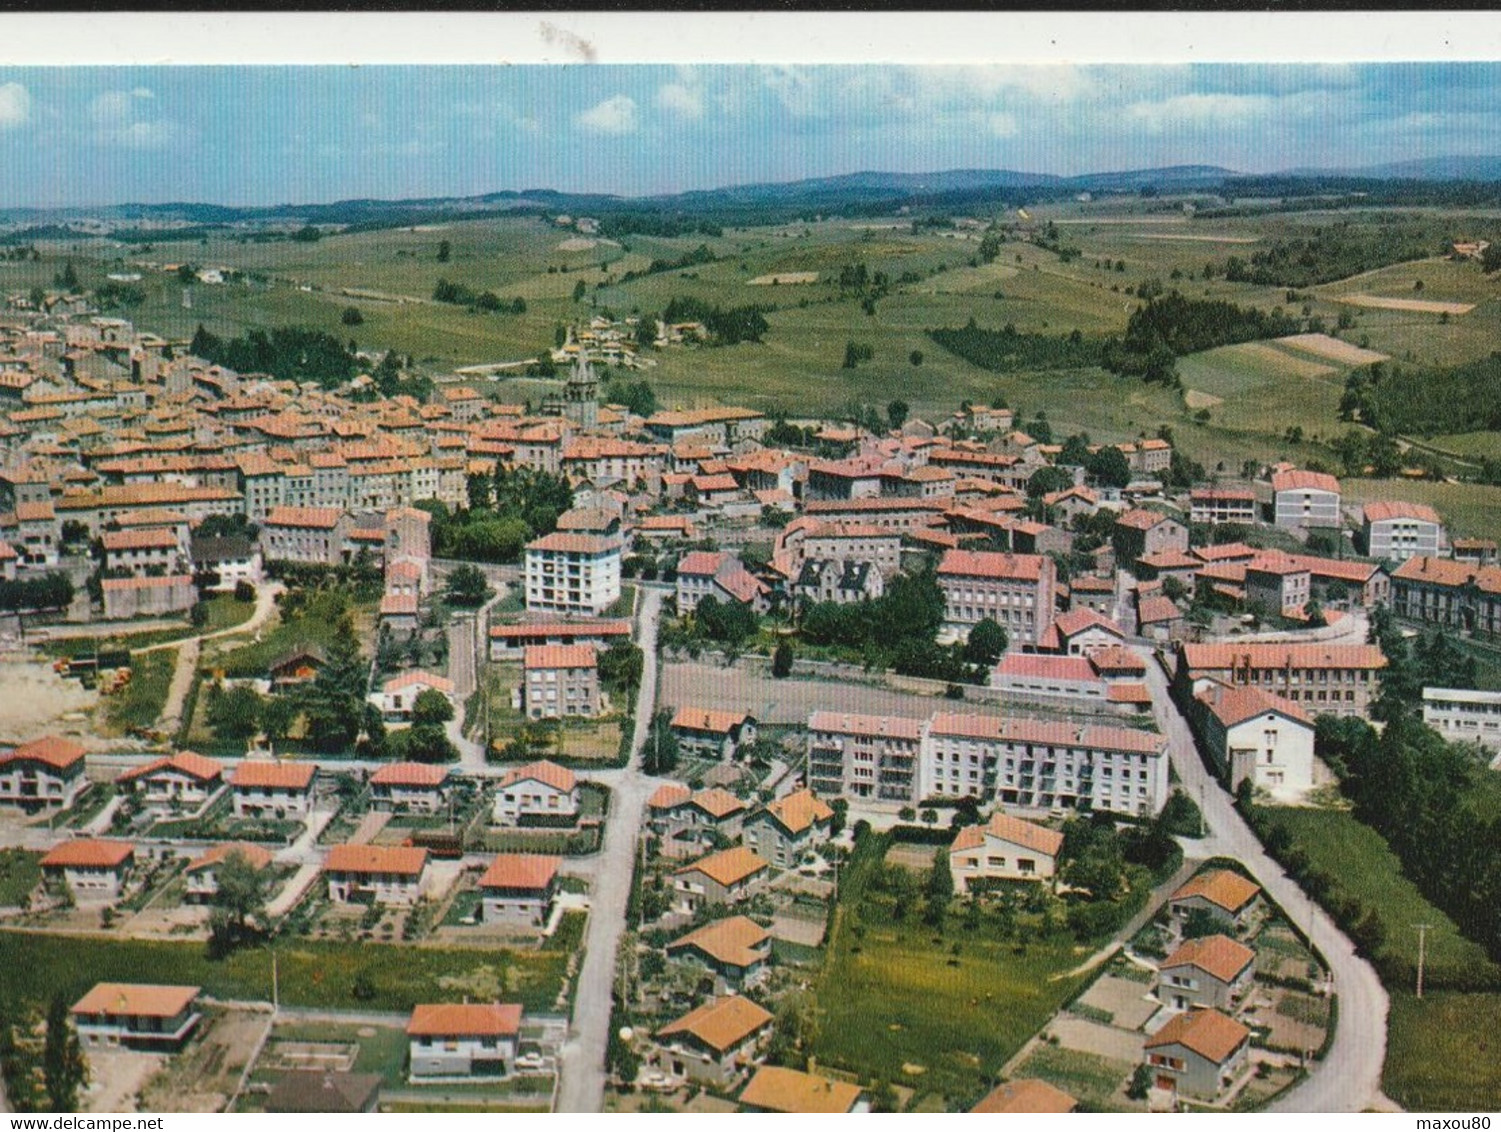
(1400, 530)
(268, 789)
(1337, 678)
(535, 793)
(375, 874)
(662, 806)
(94, 871)
(1210, 971)
(1004, 848)
(1304, 499)
(398, 695)
(704, 733)
(45, 772)
(784, 829)
(775, 1089)
(699, 820)
(1251, 733)
(713, 1043)
(184, 780)
(413, 787)
(1198, 1053)
(1016, 591)
(230, 559)
(519, 888)
(1227, 896)
(1030, 1096)
(726, 877)
(201, 878)
(138, 1015)
(298, 667)
(736, 949)
(559, 681)
(463, 1039)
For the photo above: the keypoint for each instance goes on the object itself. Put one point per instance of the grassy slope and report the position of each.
(1435, 1057)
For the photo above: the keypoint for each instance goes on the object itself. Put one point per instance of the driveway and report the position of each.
(1349, 1077)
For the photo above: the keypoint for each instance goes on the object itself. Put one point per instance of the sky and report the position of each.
(246, 135)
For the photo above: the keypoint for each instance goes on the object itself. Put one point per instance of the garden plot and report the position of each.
(1279, 360)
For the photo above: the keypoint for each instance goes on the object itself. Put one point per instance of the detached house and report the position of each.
(184, 780)
(783, 830)
(266, 789)
(690, 824)
(1005, 848)
(703, 733)
(736, 949)
(463, 1039)
(1140, 533)
(1199, 1053)
(414, 787)
(714, 1043)
(519, 888)
(1212, 971)
(398, 695)
(202, 875)
(1227, 896)
(375, 874)
(45, 772)
(538, 793)
(1030, 1096)
(138, 1015)
(726, 877)
(559, 681)
(775, 1089)
(94, 871)
(1250, 733)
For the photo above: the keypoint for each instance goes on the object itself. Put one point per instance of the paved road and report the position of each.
(1349, 1077)
(582, 1088)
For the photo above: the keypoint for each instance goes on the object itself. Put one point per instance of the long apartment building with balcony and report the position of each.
(575, 574)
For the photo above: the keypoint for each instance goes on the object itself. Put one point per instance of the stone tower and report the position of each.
(581, 393)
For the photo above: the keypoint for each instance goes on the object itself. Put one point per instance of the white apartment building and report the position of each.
(1464, 715)
(573, 573)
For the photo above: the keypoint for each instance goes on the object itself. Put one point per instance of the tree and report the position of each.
(239, 901)
(621, 666)
(428, 743)
(277, 714)
(781, 661)
(1046, 480)
(660, 755)
(445, 251)
(467, 586)
(352, 316)
(987, 641)
(915, 357)
(234, 713)
(938, 891)
(63, 1067)
(896, 413)
(431, 707)
(579, 291)
(1200, 922)
(1141, 1076)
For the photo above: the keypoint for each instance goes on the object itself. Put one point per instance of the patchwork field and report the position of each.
(1335, 349)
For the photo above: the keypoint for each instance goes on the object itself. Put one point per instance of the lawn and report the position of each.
(220, 612)
(315, 624)
(19, 874)
(1438, 1055)
(894, 994)
(383, 1049)
(140, 702)
(311, 973)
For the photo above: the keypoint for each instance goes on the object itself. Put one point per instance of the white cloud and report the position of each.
(1001, 124)
(15, 105)
(615, 115)
(143, 92)
(143, 135)
(798, 91)
(112, 108)
(684, 101)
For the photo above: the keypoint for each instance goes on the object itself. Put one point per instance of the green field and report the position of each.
(1439, 1056)
(141, 701)
(894, 994)
(310, 973)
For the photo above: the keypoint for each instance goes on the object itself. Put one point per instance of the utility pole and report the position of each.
(1422, 953)
(275, 988)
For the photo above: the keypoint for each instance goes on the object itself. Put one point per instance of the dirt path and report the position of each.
(190, 649)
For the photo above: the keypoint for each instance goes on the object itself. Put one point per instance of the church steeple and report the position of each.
(581, 393)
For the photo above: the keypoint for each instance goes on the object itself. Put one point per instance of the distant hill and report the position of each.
(859, 193)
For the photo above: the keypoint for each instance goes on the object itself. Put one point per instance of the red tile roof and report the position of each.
(89, 853)
(256, 856)
(189, 763)
(1027, 834)
(140, 1000)
(1208, 1033)
(1221, 956)
(1232, 704)
(727, 867)
(1302, 480)
(721, 1025)
(988, 564)
(1222, 888)
(263, 773)
(1027, 1097)
(410, 774)
(316, 518)
(559, 656)
(520, 870)
(464, 1020)
(1385, 509)
(402, 860)
(52, 750)
(547, 773)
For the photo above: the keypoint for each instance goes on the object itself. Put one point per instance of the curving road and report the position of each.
(1349, 1077)
(582, 1088)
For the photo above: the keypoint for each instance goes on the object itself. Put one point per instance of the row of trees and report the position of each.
(1327, 254)
(727, 325)
(488, 301)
